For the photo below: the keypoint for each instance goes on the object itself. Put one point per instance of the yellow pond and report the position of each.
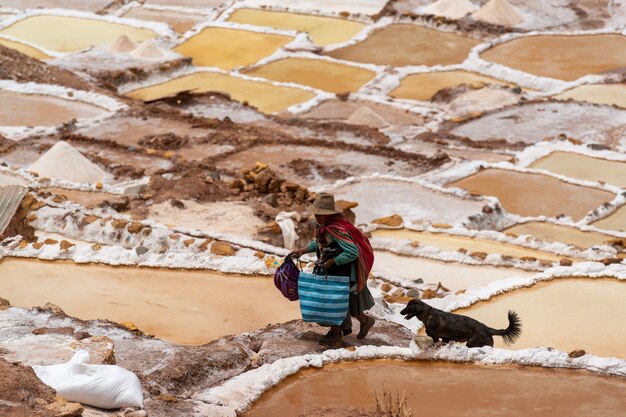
(453, 243)
(402, 44)
(23, 48)
(615, 221)
(230, 48)
(566, 314)
(188, 307)
(560, 56)
(425, 86)
(534, 194)
(549, 232)
(180, 22)
(37, 110)
(583, 167)
(445, 390)
(323, 30)
(69, 34)
(325, 75)
(266, 97)
(611, 94)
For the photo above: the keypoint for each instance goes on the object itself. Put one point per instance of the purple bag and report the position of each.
(286, 279)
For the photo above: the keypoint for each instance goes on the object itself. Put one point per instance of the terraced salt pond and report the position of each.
(549, 232)
(560, 56)
(454, 276)
(69, 34)
(86, 5)
(534, 194)
(192, 4)
(430, 386)
(409, 200)
(615, 221)
(230, 48)
(403, 44)
(188, 307)
(266, 97)
(324, 75)
(23, 48)
(531, 123)
(40, 110)
(180, 22)
(566, 314)
(610, 94)
(454, 243)
(323, 30)
(425, 85)
(87, 199)
(583, 167)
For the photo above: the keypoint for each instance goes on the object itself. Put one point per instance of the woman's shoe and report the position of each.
(365, 327)
(332, 340)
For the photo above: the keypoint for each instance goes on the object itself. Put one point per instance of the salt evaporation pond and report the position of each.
(610, 94)
(550, 232)
(187, 307)
(180, 22)
(86, 5)
(192, 4)
(454, 276)
(403, 44)
(323, 30)
(583, 167)
(230, 48)
(266, 97)
(534, 194)
(565, 314)
(560, 56)
(339, 110)
(425, 85)
(531, 123)
(40, 110)
(23, 48)
(409, 200)
(69, 34)
(89, 199)
(614, 221)
(454, 243)
(446, 389)
(324, 75)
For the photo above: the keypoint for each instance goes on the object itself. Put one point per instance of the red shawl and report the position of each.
(341, 229)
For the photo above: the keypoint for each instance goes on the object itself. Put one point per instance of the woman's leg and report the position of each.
(333, 338)
(366, 324)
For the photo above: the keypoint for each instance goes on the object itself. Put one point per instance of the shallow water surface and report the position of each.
(610, 94)
(583, 167)
(180, 22)
(23, 48)
(614, 221)
(549, 232)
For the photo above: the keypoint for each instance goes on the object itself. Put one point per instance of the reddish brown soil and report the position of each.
(19, 224)
(22, 394)
(165, 141)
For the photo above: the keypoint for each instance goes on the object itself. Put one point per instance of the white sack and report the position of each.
(287, 226)
(102, 386)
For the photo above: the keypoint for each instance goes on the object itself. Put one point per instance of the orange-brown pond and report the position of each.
(611, 94)
(615, 221)
(424, 86)
(317, 73)
(188, 307)
(402, 44)
(446, 389)
(37, 110)
(534, 194)
(229, 48)
(549, 232)
(180, 22)
(566, 314)
(560, 56)
(584, 167)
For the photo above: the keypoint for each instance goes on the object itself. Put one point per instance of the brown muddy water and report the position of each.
(230, 48)
(453, 276)
(69, 34)
(316, 73)
(610, 94)
(40, 110)
(534, 194)
(445, 389)
(425, 86)
(615, 221)
(566, 314)
(453, 243)
(402, 44)
(180, 22)
(549, 232)
(186, 307)
(583, 167)
(323, 30)
(560, 56)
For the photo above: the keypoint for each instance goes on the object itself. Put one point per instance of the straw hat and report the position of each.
(323, 204)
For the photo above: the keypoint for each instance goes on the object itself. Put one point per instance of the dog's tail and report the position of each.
(511, 333)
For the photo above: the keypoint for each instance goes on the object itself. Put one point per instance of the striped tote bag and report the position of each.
(323, 298)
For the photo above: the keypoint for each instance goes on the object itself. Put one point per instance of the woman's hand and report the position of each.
(297, 253)
(330, 262)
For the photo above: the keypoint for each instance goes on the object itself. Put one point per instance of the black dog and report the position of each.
(448, 326)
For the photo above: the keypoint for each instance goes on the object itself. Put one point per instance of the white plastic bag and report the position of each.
(287, 226)
(102, 386)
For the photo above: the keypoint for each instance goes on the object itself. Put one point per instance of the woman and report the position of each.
(342, 250)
